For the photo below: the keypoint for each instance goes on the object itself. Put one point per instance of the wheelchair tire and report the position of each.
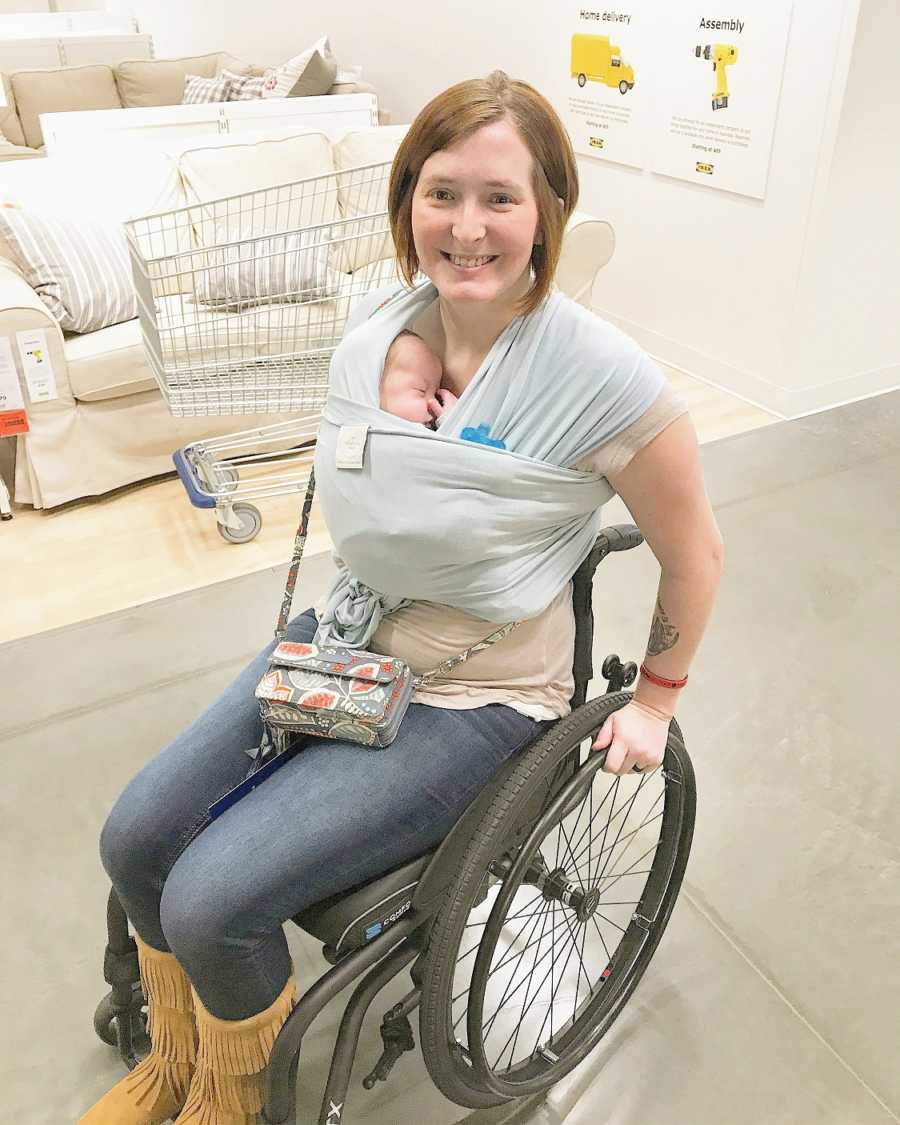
(502, 858)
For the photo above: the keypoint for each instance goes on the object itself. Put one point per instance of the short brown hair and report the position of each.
(459, 112)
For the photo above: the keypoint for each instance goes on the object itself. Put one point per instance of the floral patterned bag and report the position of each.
(335, 692)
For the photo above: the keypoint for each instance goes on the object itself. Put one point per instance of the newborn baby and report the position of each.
(411, 381)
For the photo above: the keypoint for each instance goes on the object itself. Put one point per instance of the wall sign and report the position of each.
(608, 83)
(718, 77)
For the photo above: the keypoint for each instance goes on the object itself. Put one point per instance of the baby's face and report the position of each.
(412, 376)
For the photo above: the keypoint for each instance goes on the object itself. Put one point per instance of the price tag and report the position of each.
(13, 419)
(38, 369)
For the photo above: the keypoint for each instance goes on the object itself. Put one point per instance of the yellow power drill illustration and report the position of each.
(722, 55)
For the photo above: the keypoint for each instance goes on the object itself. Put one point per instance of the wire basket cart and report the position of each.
(242, 301)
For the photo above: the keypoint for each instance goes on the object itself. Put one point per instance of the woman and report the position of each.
(481, 189)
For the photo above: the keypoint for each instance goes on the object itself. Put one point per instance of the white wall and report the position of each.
(14, 7)
(747, 294)
(845, 338)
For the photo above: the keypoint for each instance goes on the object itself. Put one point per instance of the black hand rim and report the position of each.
(587, 1025)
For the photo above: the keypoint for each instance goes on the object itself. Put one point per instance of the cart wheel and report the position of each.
(581, 80)
(227, 477)
(624, 87)
(105, 1019)
(251, 522)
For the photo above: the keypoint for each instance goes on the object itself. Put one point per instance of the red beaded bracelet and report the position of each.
(660, 681)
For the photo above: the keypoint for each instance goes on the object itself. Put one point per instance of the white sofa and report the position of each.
(109, 425)
(132, 83)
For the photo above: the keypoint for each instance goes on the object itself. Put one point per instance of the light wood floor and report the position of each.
(145, 542)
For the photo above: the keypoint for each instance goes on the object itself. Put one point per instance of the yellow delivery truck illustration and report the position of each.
(722, 55)
(595, 59)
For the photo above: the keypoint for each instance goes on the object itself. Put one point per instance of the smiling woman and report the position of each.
(435, 534)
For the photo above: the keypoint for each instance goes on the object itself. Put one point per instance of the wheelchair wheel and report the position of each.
(560, 903)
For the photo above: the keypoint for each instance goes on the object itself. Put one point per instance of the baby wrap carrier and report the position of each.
(482, 514)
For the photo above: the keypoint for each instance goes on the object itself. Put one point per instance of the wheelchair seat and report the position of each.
(348, 920)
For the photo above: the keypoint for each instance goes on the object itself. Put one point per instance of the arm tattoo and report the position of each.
(663, 634)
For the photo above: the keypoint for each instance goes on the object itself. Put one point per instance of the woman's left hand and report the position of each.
(635, 735)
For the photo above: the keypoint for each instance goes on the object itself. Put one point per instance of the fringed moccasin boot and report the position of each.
(229, 1084)
(158, 1086)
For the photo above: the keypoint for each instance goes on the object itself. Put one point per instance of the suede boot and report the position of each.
(229, 1084)
(158, 1086)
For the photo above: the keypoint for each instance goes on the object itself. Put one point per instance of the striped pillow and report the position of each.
(244, 87)
(79, 268)
(273, 269)
(199, 90)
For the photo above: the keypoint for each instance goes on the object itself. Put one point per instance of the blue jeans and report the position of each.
(216, 894)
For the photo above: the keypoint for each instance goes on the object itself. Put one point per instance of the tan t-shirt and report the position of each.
(531, 669)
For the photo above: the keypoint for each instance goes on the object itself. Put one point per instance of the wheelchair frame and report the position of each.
(383, 926)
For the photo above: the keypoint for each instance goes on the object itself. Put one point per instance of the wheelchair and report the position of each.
(526, 930)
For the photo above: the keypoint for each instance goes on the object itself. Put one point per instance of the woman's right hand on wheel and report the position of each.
(633, 736)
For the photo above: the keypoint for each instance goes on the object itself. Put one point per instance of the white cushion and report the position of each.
(267, 169)
(108, 363)
(79, 268)
(128, 178)
(216, 171)
(360, 195)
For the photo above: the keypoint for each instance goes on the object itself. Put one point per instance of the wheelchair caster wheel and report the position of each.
(629, 674)
(105, 1019)
(609, 665)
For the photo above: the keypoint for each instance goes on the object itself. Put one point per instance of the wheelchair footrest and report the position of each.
(397, 1036)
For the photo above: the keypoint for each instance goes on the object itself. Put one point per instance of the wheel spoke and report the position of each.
(587, 829)
(573, 944)
(530, 902)
(507, 955)
(581, 972)
(614, 815)
(603, 940)
(629, 836)
(569, 846)
(630, 805)
(506, 961)
(611, 922)
(537, 992)
(542, 958)
(512, 1053)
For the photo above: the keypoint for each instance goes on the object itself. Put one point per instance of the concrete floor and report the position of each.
(773, 998)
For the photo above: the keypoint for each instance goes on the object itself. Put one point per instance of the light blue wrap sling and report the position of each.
(482, 514)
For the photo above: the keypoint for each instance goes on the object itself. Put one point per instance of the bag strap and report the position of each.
(449, 665)
(299, 544)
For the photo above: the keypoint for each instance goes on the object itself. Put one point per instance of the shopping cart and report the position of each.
(242, 302)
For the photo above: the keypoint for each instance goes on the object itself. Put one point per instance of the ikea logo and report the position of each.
(707, 169)
(595, 142)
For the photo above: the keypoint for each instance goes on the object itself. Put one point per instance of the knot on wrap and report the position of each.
(354, 611)
(494, 531)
